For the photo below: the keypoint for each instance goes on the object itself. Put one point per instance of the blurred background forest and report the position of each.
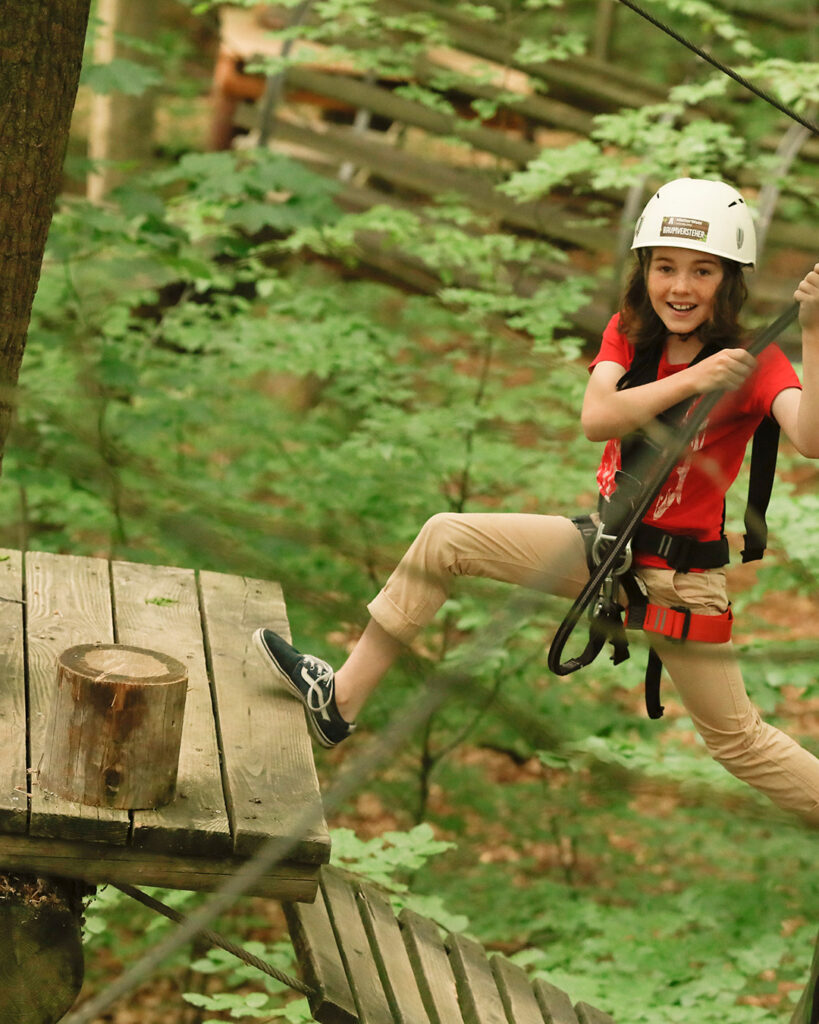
(321, 270)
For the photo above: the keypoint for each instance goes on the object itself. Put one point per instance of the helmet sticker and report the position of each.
(685, 227)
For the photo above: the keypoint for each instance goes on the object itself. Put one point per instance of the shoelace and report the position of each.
(319, 678)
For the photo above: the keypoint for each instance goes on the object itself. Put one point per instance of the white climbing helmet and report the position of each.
(695, 213)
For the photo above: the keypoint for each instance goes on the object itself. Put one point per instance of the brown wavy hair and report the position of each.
(643, 327)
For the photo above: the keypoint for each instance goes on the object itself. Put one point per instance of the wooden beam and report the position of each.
(391, 958)
(433, 970)
(515, 989)
(478, 993)
(386, 103)
(97, 863)
(554, 1002)
(353, 945)
(322, 968)
(550, 219)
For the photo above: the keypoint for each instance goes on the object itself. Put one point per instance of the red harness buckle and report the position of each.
(682, 624)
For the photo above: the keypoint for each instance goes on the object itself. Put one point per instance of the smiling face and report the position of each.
(682, 286)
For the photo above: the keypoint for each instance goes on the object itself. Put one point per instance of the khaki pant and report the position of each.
(546, 553)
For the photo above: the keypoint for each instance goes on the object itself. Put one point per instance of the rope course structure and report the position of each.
(375, 755)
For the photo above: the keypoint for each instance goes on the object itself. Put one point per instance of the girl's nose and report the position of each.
(681, 283)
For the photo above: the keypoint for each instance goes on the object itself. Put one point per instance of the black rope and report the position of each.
(215, 939)
(740, 79)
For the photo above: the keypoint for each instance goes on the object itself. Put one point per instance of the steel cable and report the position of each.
(724, 68)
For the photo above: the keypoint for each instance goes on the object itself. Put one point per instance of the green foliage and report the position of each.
(242, 999)
(120, 75)
(214, 378)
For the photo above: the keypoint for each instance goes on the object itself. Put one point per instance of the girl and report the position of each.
(677, 336)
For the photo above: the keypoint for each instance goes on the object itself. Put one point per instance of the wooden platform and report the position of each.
(365, 965)
(246, 772)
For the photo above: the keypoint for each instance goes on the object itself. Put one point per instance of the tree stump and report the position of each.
(41, 970)
(115, 727)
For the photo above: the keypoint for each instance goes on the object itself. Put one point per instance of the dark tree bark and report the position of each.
(41, 47)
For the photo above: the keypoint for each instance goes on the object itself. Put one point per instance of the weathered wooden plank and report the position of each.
(549, 218)
(433, 971)
(354, 947)
(271, 787)
(158, 607)
(391, 958)
(478, 993)
(554, 1002)
(397, 108)
(516, 992)
(320, 961)
(98, 864)
(534, 106)
(583, 79)
(13, 776)
(68, 601)
(591, 1015)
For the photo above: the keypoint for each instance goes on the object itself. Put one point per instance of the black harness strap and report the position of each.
(760, 485)
(682, 553)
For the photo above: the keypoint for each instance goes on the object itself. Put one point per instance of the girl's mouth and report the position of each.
(682, 308)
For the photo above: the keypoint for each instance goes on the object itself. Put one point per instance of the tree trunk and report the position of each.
(121, 130)
(41, 45)
(41, 966)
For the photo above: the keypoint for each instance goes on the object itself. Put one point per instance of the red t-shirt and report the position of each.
(692, 499)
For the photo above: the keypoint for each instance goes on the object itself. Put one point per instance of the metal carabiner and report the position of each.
(598, 554)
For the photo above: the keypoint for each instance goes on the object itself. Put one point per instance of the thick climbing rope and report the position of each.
(724, 68)
(215, 939)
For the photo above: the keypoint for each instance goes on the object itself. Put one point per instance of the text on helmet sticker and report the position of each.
(684, 227)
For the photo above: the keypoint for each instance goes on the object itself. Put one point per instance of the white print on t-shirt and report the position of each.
(609, 465)
(671, 494)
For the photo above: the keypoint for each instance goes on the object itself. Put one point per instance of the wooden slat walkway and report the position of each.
(246, 771)
(368, 966)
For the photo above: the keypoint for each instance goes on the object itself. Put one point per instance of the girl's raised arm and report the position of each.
(609, 413)
(798, 412)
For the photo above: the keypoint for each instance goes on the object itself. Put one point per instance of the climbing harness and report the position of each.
(611, 550)
(609, 544)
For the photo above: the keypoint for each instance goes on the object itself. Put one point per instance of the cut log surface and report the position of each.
(115, 726)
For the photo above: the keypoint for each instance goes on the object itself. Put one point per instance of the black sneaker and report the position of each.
(313, 682)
